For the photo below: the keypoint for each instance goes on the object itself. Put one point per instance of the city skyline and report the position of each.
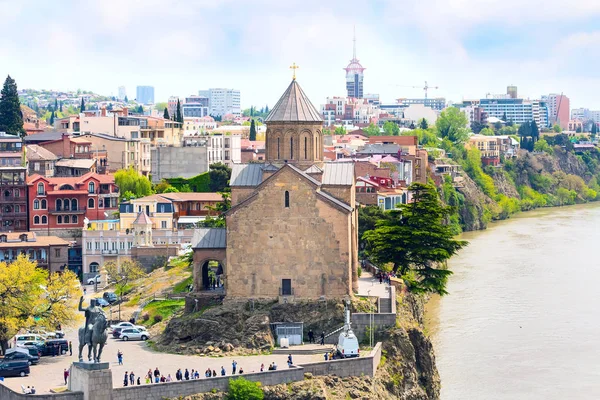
(468, 49)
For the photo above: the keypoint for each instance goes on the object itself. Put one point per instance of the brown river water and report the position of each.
(522, 320)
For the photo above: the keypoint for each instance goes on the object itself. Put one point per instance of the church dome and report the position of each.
(294, 106)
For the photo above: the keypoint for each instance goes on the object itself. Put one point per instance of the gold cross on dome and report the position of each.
(294, 67)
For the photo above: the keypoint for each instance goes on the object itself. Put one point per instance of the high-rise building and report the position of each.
(517, 111)
(195, 107)
(172, 105)
(354, 75)
(222, 101)
(145, 94)
(13, 185)
(511, 91)
(558, 109)
(122, 92)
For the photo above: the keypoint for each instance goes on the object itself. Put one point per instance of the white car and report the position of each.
(134, 334)
(141, 327)
(123, 325)
(94, 280)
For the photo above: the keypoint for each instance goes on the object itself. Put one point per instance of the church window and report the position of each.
(291, 148)
(287, 199)
(305, 148)
(278, 157)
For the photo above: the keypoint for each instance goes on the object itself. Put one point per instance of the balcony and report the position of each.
(68, 210)
(12, 200)
(110, 252)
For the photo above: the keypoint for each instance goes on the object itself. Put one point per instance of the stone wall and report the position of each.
(360, 366)
(9, 394)
(95, 381)
(153, 257)
(177, 162)
(201, 256)
(361, 321)
(308, 242)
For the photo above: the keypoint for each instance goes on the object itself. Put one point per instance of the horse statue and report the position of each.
(93, 333)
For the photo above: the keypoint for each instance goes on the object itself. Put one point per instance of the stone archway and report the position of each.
(205, 261)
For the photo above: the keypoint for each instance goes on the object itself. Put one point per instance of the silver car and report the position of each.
(134, 334)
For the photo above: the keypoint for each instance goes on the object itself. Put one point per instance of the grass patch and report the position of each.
(134, 301)
(162, 308)
(182, 286)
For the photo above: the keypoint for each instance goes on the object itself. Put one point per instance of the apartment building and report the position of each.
(122, 153)
(49, 252)
(13, 185)
(488, 146)
(222, 101)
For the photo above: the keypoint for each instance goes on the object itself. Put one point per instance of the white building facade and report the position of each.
(222, 101)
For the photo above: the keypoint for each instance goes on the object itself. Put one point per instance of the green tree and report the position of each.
(129, 180)
(391, 128)
(367, 221)
(219, 210)
(412, 125)
(219, 174)
(61, 106)
(340, 130)
(535, 132)
(417, 241)
(372, 130)
(122, 274)
(161, 105)
(452, 124)
(166, 114)
(140, 109)
(504, 117)
(542, 145)
(52, 119)
(82, 106)
(252, 131)
(11, 117)
(178, 115)
(556, 128)
(487, 132)
(242, 389)
(594, 131)
(476, 126)
(126, 100)
(423, 124)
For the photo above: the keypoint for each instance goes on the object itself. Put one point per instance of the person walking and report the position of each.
(187, 375)
(196, 375)
(125, 379)
(222, 371)
(70, 348)
(66, 375)
(289, 361)
(322, 338)
(120, 357)
(139, 381)
(311, 336)
(233, 367)
(169, 379)
(262, 367)
(178, 375)
(214, 373)
(156, 375)
(131, 378)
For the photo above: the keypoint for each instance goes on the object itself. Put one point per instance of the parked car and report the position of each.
(101, 302)
(116, 332)
(134, 334)
(41, 332)
(110, 297)
(14, 368)
(34, 350)
(122, 325)
(38, 345)
(50, 345)
(29, 337)
(21, 354)
(94, 280)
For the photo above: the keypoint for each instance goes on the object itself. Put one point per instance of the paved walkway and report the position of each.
(368, 282)
(137, 357)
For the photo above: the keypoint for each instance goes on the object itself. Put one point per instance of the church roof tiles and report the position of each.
(294, 106)
(209, 238)
(339, 173)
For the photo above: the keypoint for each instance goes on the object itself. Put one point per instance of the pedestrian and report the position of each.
(380, 276)
(326, 356)
(274, 366)
(241, 370)
(322, 338)
(207, 373)
(132, 378)
(156, 375)
(148, 380)
(222, 371)
(66, 375)
(125, 379)
(149, 376)
(311, 336)
(169, 379)
(33, 390)
(196, 375)
(84, 291)
(178, 375)
(70, 348)
(289, 361)
(163, 379)
(262, 367)
(120, 357)
(54, 350)
(214, 373)
(139, 381)
(233, 367)
(187, 375)
(271, 367)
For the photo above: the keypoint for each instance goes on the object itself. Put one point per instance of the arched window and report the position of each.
(67, 204)
(58, 204)
(305, 148)
(44, 204)
(44, 219)
(287, 199)
(40, 188)
(94, 267)
(291, 148)
(74, 204)
(59, 219)
(74, 219)
(67, 220)
(36, 204)
(36, 219)
(91, 187)
(17, 193)
(278, 156)
(91, 203)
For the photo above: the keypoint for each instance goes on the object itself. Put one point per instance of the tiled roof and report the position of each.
(338, 173)
(313, 170)
(246, 175)
(298, 170)
(74, 180)
(379, 148)
(294, 106)
(142, 218)
(209, 238)
(75, 163)
(13, 240)
(193, 196)
(38, 153)
(43, 137)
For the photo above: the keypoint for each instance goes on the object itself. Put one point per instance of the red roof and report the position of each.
(73, 180)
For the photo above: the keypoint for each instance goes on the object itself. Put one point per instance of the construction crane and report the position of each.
(425, 88)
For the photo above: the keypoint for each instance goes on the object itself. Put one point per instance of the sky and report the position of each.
(465, 47)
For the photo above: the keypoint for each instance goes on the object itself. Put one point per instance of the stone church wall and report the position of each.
(309, 243)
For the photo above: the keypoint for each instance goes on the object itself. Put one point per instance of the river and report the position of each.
(521, 320)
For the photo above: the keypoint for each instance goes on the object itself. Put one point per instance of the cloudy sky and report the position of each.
(466, 47)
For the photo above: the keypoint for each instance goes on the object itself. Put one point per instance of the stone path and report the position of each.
(368, 282)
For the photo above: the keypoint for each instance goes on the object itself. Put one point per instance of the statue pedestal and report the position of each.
(93, 379)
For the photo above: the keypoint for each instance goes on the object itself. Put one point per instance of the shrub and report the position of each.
(158, 318)
(243, 389)
(359, 271)
(145, 317)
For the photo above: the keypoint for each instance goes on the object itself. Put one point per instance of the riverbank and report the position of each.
(516, 324)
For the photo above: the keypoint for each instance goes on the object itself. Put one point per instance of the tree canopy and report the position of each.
(30, 295)
(130, 182)
(122, 274)
(219, 174)
(252, 131)
(452, 125)
(417, 241)
(166, 113)
(372, 130)
(391, 128)
(11, 117)
(340, 130)
(423, 124)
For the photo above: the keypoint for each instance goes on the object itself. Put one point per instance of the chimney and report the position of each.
(103, 111)
(66, 141)
(125, 111)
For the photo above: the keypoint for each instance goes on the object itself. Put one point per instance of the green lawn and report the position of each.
(164, 308)
(183, 285)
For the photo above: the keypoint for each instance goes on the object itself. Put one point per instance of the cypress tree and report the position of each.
(166, 113)
(61, 105)
(423, 124)
(178, 116)
(535, 132)
(11, 117)
(266, 109)
(82, 106)
(55, 104)
(252, 131)
(125, 99)
(52, 118)
(140, 109)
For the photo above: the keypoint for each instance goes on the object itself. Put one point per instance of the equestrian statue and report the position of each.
(93, 333)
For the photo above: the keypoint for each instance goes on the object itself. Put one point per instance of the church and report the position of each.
(292, 230)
